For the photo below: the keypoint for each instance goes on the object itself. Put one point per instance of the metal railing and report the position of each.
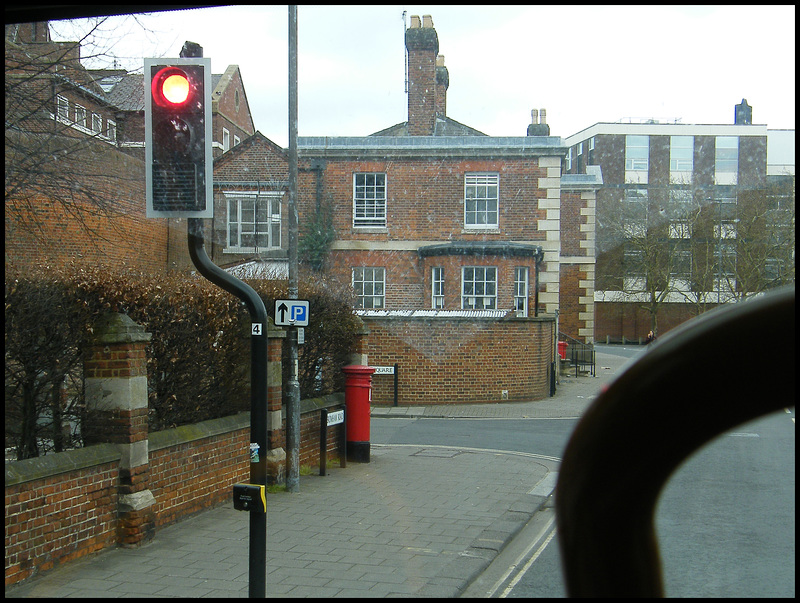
(581, 356)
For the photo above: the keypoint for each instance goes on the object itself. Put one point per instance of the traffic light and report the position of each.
(177, 113)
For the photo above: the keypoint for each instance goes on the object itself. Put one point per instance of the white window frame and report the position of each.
(521, 274)
(437, 288)
(226, 140)
(681, 159)
(478, 287)
(637, 158)
(81, 115)
(725, 229)
(369, 284)
(680, 229)
(111, 130)
(238, 216)
(62, 108)
(726, 160)
(97, 123)
(369, 199)
(481, 200)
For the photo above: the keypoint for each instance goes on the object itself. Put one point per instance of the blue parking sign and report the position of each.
(291, 313)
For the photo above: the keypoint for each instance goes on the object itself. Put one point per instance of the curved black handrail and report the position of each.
(695, 383)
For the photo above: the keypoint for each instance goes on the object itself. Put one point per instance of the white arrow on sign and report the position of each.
(291, 313)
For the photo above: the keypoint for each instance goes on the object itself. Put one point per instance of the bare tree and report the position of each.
(642, 249)
(54, 152)
(682, 244)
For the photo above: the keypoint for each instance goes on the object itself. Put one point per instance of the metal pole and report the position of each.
(258, 395)
(293, 398)
(396, 371)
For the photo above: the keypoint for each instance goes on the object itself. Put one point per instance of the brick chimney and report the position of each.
(422, 44)
(442, 83)
(538, 125)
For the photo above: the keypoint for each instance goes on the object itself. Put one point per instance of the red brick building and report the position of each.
(75, 157)
(426, 215)
(433, 223)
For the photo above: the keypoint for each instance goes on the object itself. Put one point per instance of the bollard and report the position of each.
(357, 399)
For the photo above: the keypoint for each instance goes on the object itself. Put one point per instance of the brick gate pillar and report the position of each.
(115, 374)
(360, 355)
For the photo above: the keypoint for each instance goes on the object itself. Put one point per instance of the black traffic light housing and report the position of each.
(179, 165)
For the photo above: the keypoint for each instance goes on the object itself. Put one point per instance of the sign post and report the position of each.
(179, 184)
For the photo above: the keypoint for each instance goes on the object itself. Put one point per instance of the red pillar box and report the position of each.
(562, 349)
(357, 399)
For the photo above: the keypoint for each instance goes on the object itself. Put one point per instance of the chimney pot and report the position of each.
(534, 116)
(427, 21)
(415, 23)
(542, 116)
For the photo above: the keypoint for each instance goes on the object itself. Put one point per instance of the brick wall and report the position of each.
(618, 321)
(110, 237)
(425, 199)
(577, 265)
(189, 475)
(456, 360)
(64, 506)
(68, 511)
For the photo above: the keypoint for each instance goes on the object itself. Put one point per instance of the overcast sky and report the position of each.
(583, 64)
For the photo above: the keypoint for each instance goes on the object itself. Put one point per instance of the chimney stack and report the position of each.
(538, 126)
(743, 114)
(442, 83)
(422, 44)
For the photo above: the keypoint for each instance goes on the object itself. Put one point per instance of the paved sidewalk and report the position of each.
(417, 521)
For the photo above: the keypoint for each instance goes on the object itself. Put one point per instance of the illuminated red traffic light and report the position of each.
(177, 111)
(171, 87)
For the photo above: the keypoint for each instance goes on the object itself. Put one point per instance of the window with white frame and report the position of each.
(521, 290)
(369, 200)
(681, 159)
(725, 230)
(680, 229)
(226, 139)
(481, 200)
(726, 160)
(478, 288)
(62, 108)
(254, 221)
(437, 288)
(369, 284)
(111, 130)
(97, 123)
(637, 158)
(80, 116)
(681, 270)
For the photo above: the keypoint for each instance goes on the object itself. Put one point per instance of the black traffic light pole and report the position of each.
(258, 395)
(258, 382)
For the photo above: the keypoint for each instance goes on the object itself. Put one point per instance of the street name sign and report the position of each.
(384, 370)
(335, 417)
